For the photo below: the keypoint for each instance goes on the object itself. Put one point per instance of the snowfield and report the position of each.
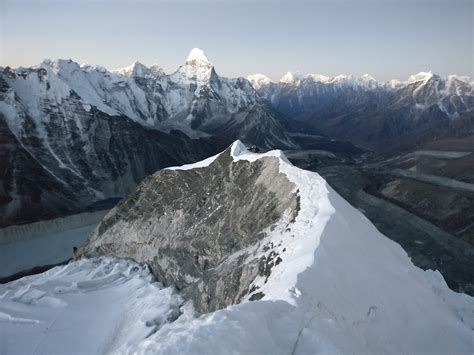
(342, 287)
(86, 307)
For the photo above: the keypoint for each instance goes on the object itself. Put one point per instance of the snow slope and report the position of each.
(341, 287)
(93, 306)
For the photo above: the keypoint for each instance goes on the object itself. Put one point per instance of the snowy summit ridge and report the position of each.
(303, 270)
(319, 273)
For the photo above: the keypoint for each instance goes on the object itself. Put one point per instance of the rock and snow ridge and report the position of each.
(153, 98)
(340, 287)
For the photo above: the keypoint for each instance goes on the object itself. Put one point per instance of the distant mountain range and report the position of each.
(385, 117)
(74, 135)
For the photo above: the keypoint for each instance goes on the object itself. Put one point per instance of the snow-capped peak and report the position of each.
(343, 78)
(394, 84)
(421, 76)
(319, 77)
(259, 80)
(197, 69)
(197, 55)
(60, 64)
(47, 62)
(367, 78)
(368, 81)
(136, 69)
(465, 79)
(289, 78)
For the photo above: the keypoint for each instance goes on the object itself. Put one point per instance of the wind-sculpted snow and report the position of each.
(96, 306)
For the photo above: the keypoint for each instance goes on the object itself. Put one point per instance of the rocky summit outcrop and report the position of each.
(199, 228)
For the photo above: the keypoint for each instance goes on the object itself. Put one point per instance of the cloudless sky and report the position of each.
(387, 39)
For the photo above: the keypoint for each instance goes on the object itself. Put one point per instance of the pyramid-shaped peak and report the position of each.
(197, 55)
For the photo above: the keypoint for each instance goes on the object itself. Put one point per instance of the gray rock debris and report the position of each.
(199, 230)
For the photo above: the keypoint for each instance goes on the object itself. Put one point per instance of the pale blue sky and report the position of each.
(385, 38)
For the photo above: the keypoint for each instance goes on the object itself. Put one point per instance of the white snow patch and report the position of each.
(197, 54)
(91, 306)
(258, 80)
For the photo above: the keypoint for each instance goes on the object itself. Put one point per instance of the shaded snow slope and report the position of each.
(340, 287)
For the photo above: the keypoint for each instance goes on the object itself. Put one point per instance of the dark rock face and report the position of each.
(77, 158)
(199, 229)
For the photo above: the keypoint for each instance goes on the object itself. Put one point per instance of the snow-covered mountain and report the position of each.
(377, 115)
(75, 134)
(60, 153)
(193, 99)
(256, 256)
(453, 85)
